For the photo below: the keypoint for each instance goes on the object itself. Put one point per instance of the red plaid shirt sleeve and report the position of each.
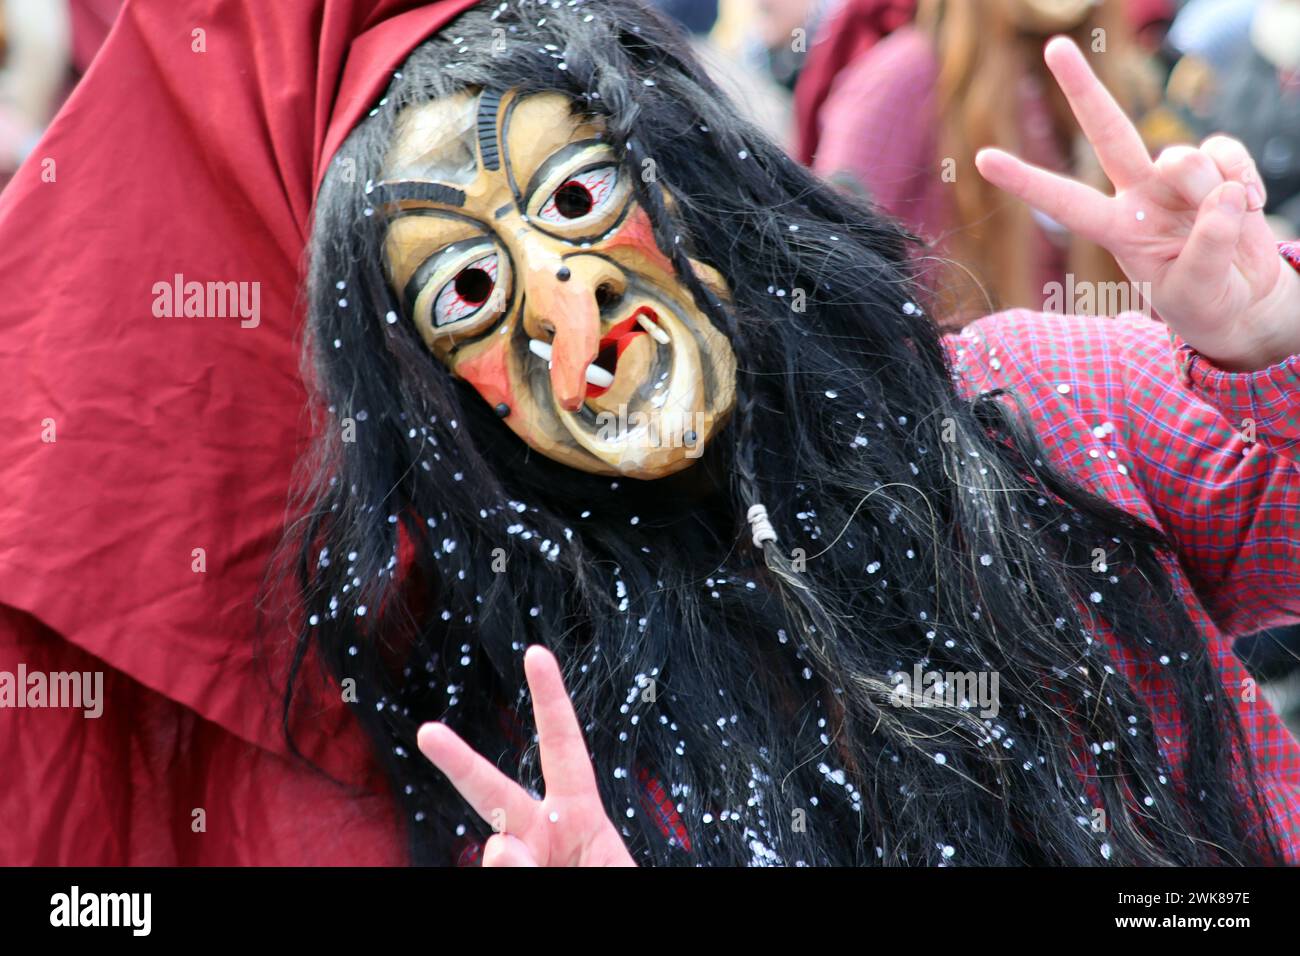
(1206, 455)
(1243, 535)
(1209, 456)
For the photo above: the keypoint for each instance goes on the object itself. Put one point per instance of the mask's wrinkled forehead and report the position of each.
(437, 140)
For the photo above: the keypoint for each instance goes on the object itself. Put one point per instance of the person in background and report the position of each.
(725, 54)
(847, 32)
(1206, 39)
(771, 36)
(45, 47)
(849, 28)
(1258, 102)
(1215, 32)
(903, 123)
(1150, 21)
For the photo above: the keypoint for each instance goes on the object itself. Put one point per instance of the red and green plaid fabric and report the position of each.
(1291, 252)
(1211, 457)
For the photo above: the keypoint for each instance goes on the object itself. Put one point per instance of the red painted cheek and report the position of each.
(636, 234)
(489, 373)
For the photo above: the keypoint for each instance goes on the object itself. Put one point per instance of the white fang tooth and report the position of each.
(539, 348)
(599, 377)
(656, 333)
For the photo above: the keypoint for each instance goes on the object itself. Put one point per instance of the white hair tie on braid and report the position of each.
(762, 528)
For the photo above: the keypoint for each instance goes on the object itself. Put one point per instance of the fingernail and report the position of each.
(1254, 190)
(1232, 200)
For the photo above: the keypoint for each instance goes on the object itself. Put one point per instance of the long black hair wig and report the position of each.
(758, 688)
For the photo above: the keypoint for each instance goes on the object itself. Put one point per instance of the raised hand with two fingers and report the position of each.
(568, 826)
(1189, 224)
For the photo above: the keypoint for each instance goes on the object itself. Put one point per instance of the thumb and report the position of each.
(1207, 259)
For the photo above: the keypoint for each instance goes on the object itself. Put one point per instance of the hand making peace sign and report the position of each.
(567, 827)
(1190, 223)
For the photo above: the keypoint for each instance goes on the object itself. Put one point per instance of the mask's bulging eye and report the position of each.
(467, 292)
(582, 195)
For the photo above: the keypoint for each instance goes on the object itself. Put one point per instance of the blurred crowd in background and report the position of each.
(890, 99)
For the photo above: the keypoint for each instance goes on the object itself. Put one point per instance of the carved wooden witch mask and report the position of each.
(517, 248)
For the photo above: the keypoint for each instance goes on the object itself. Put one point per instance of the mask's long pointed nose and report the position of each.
(568, 306)
(577, 341)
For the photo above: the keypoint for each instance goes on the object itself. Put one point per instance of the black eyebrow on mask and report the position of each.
(427, 192)
(489, 105)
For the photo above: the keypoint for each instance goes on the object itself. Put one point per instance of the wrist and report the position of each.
(1282, 320)
(1275, 327)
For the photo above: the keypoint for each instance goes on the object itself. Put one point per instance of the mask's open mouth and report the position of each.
(644, 321)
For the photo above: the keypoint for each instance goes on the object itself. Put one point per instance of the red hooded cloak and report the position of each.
(146, 458)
